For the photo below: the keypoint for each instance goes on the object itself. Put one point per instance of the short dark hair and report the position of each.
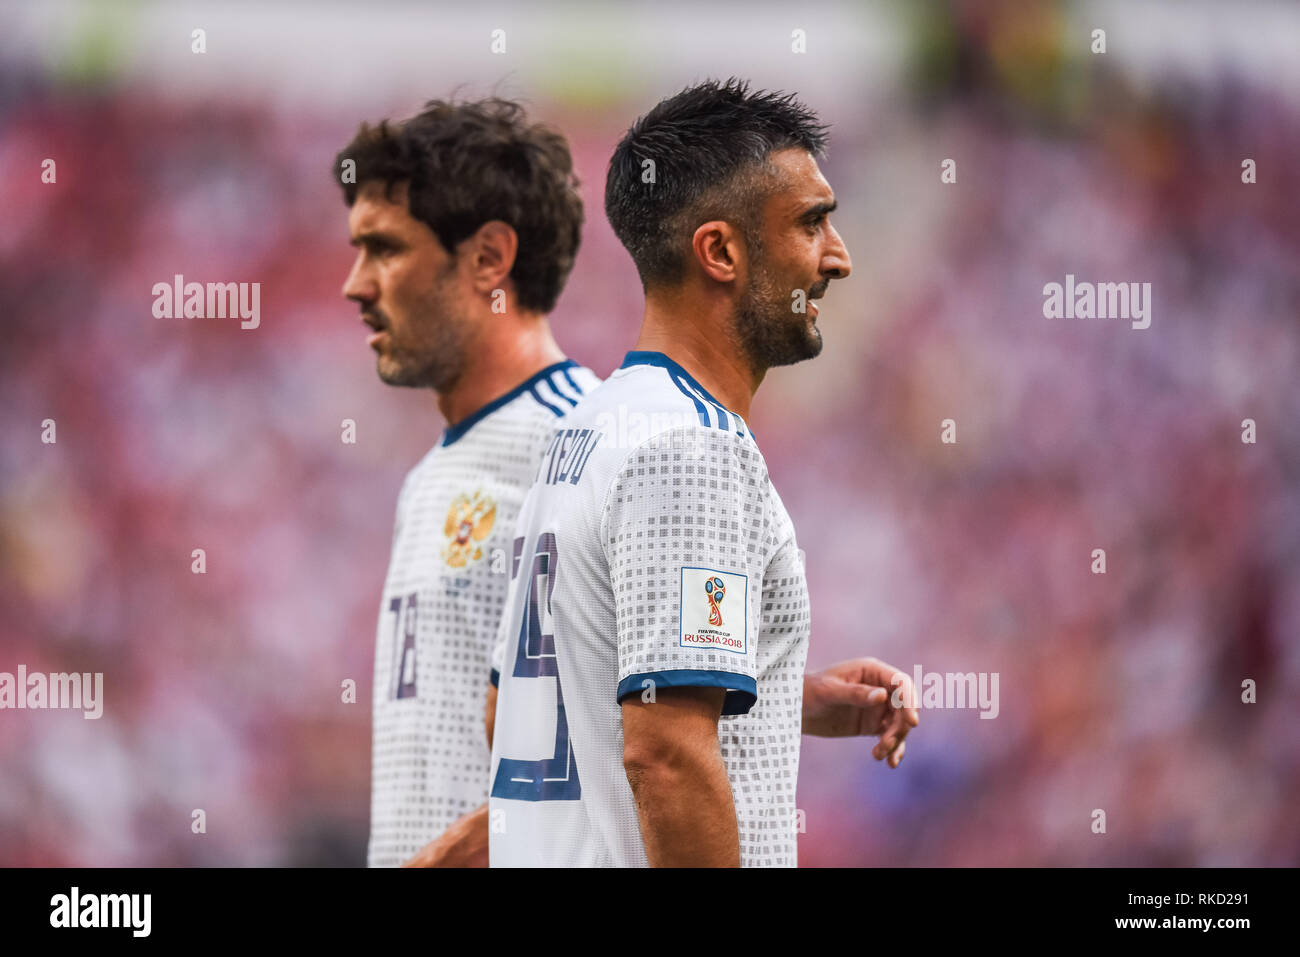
(709, 144)
(471, 162)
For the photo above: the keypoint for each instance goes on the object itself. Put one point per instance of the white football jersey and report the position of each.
(442, 602)
(652, 552)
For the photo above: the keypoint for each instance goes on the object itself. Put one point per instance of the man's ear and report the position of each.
(719, 250)
(492, 250)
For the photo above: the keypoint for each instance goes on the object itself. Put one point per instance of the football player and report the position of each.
(466, 219)
(651, 673)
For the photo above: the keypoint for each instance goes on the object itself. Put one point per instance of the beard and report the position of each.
(769, 332)
(433, 351)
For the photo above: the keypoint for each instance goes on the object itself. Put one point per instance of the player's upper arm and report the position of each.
(498, 660)
(671, 727)
(490, 714)
(686, 534)
(499, 649)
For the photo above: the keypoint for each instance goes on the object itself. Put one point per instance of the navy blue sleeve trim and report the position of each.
(495, 678)
(742, 690)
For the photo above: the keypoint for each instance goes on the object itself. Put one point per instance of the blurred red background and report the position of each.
(1119, 691)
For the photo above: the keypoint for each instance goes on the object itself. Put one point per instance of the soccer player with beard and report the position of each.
(467, 219)
(652, 690)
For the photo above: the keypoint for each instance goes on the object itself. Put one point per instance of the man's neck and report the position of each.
(695, 333)
(499, 363)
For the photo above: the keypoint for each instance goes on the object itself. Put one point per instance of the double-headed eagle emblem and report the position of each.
(469, 521)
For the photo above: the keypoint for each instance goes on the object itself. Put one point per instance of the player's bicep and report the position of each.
(490, 713)
(667, 728)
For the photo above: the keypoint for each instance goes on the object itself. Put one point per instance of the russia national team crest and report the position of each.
(469, 522)
(713, 610)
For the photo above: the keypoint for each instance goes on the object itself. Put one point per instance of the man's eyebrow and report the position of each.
(819, 210)
(368, 236)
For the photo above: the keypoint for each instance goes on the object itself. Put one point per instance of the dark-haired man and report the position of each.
(652, 691)
(466, 219)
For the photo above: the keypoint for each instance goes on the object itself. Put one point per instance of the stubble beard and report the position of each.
(768, 331)
(438, 358)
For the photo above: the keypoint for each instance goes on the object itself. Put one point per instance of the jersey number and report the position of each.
(403, 685)
(554, 778)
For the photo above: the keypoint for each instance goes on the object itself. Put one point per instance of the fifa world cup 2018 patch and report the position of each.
(713, 612)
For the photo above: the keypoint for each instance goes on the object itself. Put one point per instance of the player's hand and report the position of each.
(856, 697)
(464, 844)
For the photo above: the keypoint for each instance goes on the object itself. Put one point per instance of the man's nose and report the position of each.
(836, 263)
(359, 287)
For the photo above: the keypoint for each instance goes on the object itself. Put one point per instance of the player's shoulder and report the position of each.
(651, 395)
(554, 391)
(521, 419)
(651, 402)
(651, 416)
(539, 400)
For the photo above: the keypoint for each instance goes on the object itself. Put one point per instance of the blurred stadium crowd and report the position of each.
(1119, 692)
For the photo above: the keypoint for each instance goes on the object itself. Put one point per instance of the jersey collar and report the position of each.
(659, 359)
(457, 431)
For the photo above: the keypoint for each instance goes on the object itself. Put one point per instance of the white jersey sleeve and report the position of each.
(685, 537)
